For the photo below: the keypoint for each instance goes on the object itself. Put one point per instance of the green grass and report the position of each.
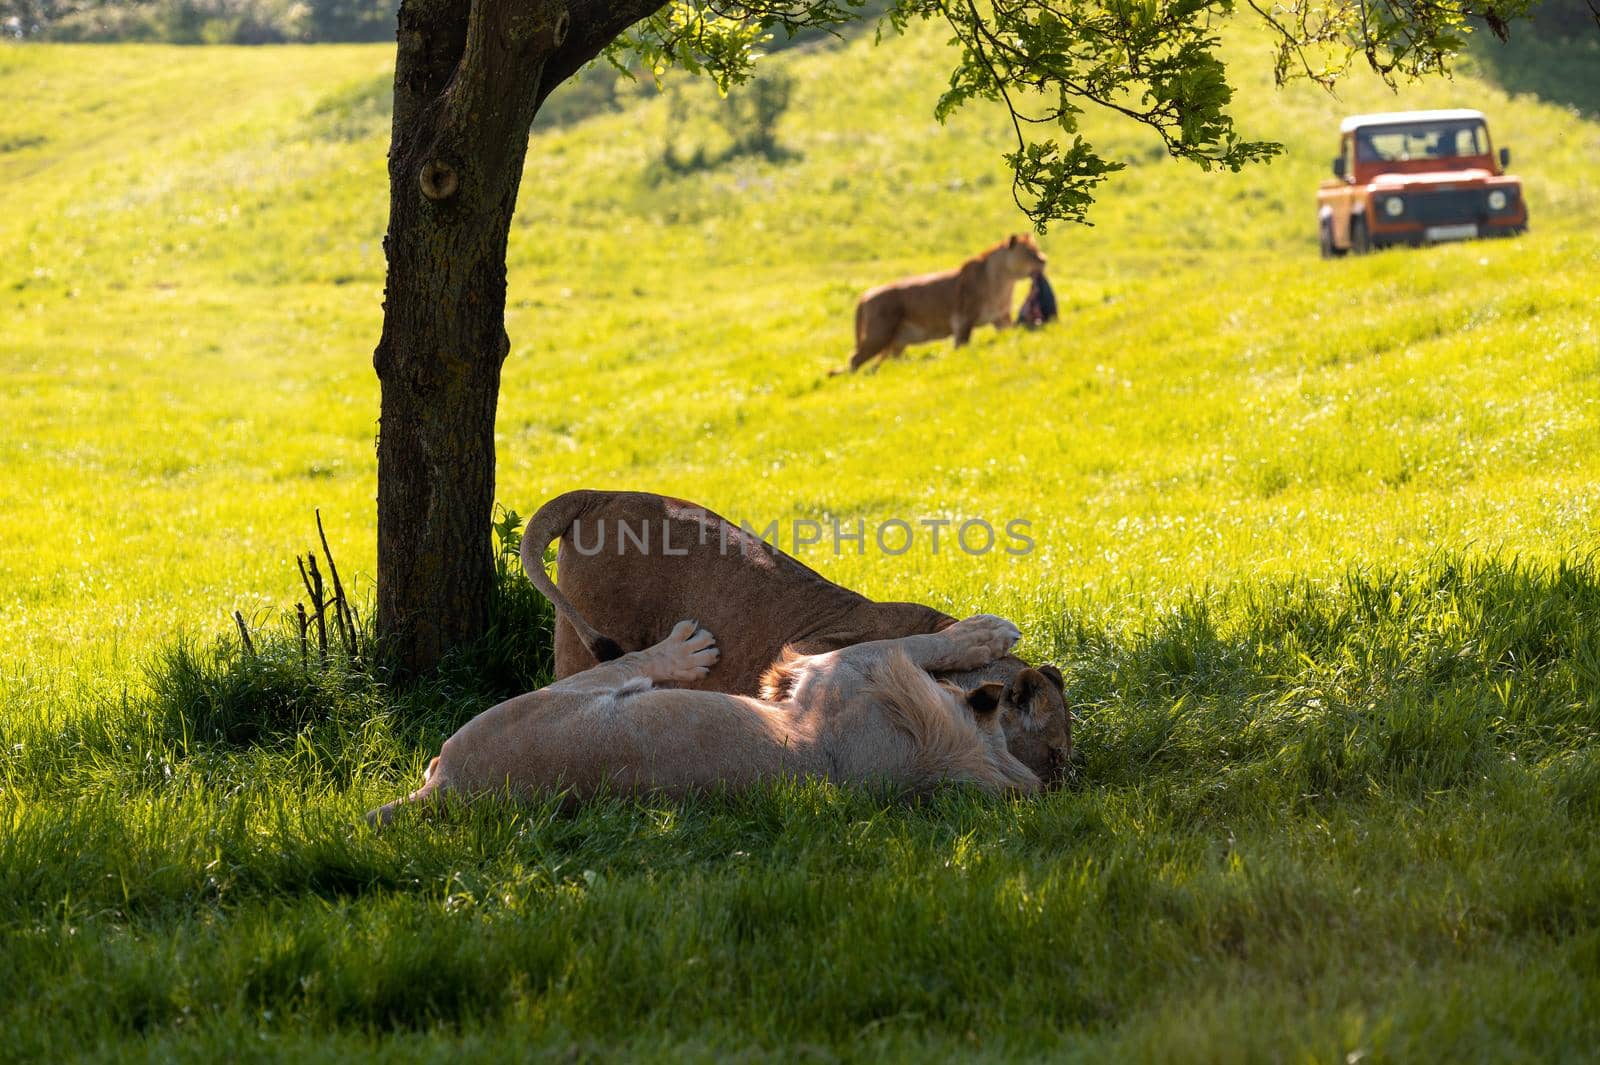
(1315, 548)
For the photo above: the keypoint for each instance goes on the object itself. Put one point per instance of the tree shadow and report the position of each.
(674, 163)
(1563, 70)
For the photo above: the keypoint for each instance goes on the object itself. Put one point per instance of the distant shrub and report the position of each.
(349, 20)
(1556, 56)
(592, 91)
(200, 21)
(1562, 20)
(100, 23)
(748, 118)
(750, 114)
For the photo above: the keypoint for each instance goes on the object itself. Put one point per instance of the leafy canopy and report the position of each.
(1156, 62)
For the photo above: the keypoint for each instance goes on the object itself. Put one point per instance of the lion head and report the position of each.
(1038, 725)
(1020, 257)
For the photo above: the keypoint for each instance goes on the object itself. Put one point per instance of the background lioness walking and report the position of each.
(946, 303)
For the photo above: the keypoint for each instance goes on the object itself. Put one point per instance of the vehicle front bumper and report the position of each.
(1456, 214)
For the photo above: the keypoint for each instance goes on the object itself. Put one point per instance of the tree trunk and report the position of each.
(439, 367)
(469, 77)
(466, 89)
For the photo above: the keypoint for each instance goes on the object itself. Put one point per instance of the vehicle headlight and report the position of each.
(1394, 207)
(1498, 200)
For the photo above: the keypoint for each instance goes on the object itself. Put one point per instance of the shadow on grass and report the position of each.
(1376, 763)
(1240, 705)
(1416, 679)
(1407, 681)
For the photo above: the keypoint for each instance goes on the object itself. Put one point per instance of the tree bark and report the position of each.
(469, 78)
(466, 84)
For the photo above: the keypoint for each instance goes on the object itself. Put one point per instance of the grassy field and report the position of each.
(1315, 548)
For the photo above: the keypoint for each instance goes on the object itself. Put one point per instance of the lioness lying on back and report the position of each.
(867, 714)
(946, 303)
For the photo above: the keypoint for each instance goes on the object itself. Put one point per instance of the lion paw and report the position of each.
(687, 654)
(983, 638)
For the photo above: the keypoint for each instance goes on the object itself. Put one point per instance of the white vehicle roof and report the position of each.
(1389, 118)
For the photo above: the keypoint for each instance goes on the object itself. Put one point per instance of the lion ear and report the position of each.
(1012, 243)
(1055, 677)
(985, 698)
(1026, 687)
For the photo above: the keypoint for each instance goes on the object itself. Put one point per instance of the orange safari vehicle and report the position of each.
(1416, 177)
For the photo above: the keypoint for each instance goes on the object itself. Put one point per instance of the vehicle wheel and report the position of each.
(1360, 243)
(1325, 239)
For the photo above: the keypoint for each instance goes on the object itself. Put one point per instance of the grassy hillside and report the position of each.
(220, 270)
(1313, 544)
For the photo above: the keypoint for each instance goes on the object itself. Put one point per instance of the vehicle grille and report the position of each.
(1459, 205)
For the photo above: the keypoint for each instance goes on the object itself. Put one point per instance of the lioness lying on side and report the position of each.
(945, 303)
(631, 563)
(868, 714)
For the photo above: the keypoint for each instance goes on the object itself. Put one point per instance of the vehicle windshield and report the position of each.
(1420, 140)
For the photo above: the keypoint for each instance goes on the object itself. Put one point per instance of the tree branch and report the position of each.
(595, 24)
(493, 95)
(431, 36)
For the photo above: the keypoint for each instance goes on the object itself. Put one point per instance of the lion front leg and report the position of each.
(961, 327)
(687, 654)
(968, 644)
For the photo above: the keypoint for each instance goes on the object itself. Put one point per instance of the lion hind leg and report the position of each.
(432, 781)
(877, 336)
(862, 355)
(686, 655)
(859, 358)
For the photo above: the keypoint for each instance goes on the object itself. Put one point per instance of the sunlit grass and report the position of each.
(1314, 547)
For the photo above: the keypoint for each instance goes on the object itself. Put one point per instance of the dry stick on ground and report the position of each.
(305, 623)
(244, 634)
(341, 605)
(313, 583)
(338, 620)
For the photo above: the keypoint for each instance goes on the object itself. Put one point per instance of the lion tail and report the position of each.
(552, 522)
(861, 338)
(432, 779)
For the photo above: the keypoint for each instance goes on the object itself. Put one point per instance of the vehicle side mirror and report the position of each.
(1338, 166)
(1505, 158)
